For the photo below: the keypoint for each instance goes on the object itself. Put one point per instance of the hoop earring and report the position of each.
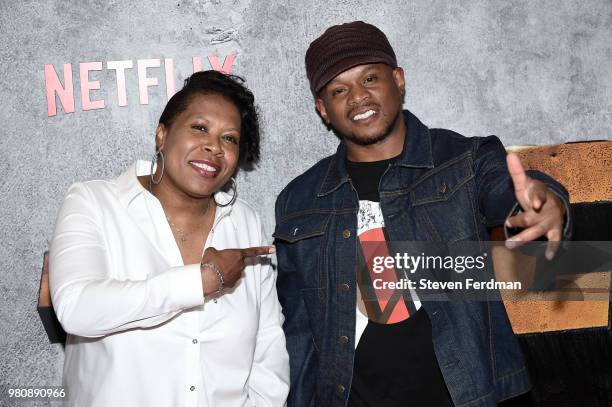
(231, 201)
(158, 153)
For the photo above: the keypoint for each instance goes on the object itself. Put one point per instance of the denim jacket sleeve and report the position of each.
(494, 185)
(298, 333)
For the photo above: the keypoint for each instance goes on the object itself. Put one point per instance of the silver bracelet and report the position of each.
(215, 268)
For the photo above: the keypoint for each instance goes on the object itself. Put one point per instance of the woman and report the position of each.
(161, 307)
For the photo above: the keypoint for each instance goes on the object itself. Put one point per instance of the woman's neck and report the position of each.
(178, 205)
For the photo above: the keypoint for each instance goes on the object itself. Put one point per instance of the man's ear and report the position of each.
(320, 106)
(398, 77)
(160, 136)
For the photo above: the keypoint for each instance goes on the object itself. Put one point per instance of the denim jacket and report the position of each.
(444, 187)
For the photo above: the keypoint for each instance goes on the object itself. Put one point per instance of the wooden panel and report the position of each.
(44, 295)
(585, 169)
(558, 310)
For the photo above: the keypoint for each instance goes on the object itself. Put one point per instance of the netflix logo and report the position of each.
(55, 90)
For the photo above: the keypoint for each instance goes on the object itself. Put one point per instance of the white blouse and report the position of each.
(140, 331)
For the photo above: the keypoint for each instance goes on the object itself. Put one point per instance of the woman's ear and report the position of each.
(160, 136)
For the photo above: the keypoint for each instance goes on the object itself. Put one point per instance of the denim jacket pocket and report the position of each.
(297, 227)
(306, 234)
(441, 183)
(443, 200)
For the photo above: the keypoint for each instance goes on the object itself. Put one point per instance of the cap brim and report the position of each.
(346, 64)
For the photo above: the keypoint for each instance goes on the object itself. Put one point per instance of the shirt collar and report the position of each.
(417, 153)
(129, 188)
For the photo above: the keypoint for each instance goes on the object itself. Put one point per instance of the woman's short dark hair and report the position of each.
(231, 87)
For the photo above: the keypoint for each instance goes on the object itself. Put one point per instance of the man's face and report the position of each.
(363, 104)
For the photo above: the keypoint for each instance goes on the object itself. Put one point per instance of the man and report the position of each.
(392, 179)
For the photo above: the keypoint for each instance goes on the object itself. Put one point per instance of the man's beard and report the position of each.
(372, 139)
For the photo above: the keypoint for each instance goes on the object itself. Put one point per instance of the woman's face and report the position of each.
(201, 146)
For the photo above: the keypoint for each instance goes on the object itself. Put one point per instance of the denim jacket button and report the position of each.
(340, 389)
(344, 287)
(343, 339)
(346, 234)
(442, 187)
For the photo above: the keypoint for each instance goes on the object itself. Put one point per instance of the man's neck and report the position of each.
(391, 146)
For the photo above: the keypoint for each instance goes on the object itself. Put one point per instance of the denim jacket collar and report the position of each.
(417, 153)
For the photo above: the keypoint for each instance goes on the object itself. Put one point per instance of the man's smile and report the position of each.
(362, 116)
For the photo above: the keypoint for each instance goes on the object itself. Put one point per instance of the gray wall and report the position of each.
(530, 72)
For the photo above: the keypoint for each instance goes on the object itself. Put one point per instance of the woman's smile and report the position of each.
(205, 168)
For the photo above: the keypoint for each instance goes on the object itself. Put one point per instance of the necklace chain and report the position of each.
(182, 235)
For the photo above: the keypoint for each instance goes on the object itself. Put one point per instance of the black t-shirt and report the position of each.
(395, 364)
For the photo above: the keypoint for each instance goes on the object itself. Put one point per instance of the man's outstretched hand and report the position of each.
(543, 211)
